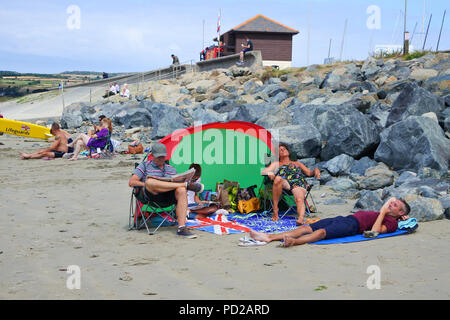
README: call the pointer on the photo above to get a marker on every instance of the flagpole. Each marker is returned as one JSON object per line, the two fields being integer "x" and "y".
{"x": 218, "y": 31}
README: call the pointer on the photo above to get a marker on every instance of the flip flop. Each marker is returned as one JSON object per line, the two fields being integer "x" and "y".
{"x": 251, "y": 243}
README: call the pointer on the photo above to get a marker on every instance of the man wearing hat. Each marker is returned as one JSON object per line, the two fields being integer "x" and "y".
{"x": 162, "y": 191}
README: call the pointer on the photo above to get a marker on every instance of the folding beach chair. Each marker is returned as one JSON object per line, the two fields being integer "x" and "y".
{"x": 104, "y": 152}
{"x": 144, "y": 212}
{"x": 287, "y": 200}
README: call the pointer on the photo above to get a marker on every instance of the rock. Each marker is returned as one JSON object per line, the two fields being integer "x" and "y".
{"x": 339, "y": 165}
{"x": 405, "y": 177}
{"x": 252, "y": 112}
{"x": 423, "y": 74}
{"x": 414, "y": 100}
{"x": 342, "y": 184}
{"x": 203, "y": 116}
{"x": 446, "y": 205}
{"x": 431, "y": 115}
{"x": 360, "y": 166}
{"x": 368, "y": 201}
{"x": 447, "y": 100}
{"x": 141, "y": 97}
{"x": 343, "y": 128}
{"x": 414, "y": 143}
{"x": 166, "y": 119}
{"x": 202, "y": 85}
{"x": 438, "y": 85}
{"x": 278, "y": 118}
{"x": 303, "y": 140}
{"x": 377, "y": 177}
{"x": 135, "y": 116}
{"x": 424, "y": 209}
{"x": 273, "y": 89}
{"x": 334, "y": 201}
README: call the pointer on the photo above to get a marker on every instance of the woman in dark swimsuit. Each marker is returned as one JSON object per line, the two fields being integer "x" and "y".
{"x": 289, "y": 175}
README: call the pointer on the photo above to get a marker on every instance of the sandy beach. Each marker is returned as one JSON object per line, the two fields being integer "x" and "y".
{"x": 58, "y": 213}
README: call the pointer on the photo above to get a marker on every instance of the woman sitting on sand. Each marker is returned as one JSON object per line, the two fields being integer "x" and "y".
{"x": 208, "y": 208}
{"x": 97, "y": 140}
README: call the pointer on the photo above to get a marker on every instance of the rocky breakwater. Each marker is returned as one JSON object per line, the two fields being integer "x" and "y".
{"x": 376, "y": 128}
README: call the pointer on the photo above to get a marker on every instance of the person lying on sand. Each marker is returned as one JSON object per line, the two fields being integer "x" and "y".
{"x": 289, "y": 175}
{"x": 337, "y": 227}
{"x": 58, "y": 148}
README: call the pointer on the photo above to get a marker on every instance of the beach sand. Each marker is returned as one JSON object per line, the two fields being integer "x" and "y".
{"x": 58, "y": 213}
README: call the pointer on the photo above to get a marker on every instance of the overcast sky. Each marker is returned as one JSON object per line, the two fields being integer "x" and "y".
{"x": 139, "y": 35}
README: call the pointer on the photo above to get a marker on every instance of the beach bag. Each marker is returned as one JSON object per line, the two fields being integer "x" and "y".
{"x": 247, "y": 206}
{"x": 135, "y": 148}
{"x": 247, "y": 200}
{"x": 223, "y": 197}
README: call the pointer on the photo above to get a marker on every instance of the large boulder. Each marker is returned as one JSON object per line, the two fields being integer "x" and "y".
{"x": 339, "y": 165}
{"x": 304, "y": 140}
{"x": 343, "y": 128}
{"x": 414, "y": 101}
{"x": 165, "y": 120}
{"x": 132, "y": 117}
{"x": 439, "y": 84}
{"x": 424, "y": 209}
{"x": 377, "y": 177}
{"x": 414, "y": 143}
{"x": 368, "y": 201}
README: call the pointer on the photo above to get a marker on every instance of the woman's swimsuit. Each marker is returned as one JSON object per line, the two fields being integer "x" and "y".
{"x": 293, "y": 175}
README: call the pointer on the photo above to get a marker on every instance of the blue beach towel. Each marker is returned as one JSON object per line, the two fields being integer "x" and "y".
{"x": 360, "y": 237}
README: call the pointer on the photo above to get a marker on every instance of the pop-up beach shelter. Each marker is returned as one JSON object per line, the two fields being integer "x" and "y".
{"x": 232, "y": 151}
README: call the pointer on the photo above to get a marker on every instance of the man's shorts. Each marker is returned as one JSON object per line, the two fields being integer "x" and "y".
{"x": 58, "y": 154}
{"x": 337, "y": 227}
{"x": 162, "y": 199}
{"x": 246, "y": 50}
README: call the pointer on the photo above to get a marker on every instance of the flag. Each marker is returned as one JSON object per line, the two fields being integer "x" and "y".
{"x": 218, "y": 224}
{"x": 218, "y": 24}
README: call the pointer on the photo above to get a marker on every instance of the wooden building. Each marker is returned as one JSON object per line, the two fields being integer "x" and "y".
{"x": 272, "y": 38}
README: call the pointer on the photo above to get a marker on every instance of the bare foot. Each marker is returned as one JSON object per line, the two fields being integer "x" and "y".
{"x": 73, "y": 158}
{"x": 259, "y": 236}
{"x": 288, "y": 241}
{"x": 275, "y": 216}
{"x": 24, "y": 156}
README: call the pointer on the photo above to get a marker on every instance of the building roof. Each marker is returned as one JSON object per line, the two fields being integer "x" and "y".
{"x": 261, "y": 23}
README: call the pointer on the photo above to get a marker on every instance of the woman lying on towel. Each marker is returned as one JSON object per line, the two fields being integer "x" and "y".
{"x": 371, "y": 222}
{"x": 200, "y": 208}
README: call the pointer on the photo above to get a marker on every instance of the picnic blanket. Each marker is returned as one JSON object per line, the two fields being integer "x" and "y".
{"x": 218, "y": 224}
{"x": 262, "y": 222}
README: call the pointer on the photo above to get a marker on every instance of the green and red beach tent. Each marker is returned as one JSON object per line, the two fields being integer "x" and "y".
{"x": 232, "y": 150}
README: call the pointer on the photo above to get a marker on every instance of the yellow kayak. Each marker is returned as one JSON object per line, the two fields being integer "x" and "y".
{"x": 24, "y": 129}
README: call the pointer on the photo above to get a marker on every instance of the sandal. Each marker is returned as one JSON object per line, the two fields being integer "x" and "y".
{"x": 249, "y": 242}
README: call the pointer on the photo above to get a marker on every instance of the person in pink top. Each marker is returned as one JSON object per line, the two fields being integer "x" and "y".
{"x": 384, "y": 221}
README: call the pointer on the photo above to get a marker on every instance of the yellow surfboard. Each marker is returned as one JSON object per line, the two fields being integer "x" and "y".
{"x": 24, "y": 129}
